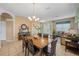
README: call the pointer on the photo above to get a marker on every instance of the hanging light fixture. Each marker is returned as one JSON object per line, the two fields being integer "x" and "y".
{"x": 33, "y": 18}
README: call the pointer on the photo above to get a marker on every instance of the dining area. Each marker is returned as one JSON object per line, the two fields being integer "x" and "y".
{"x": 37, "y": 44}
{"x": 40, "y": 43}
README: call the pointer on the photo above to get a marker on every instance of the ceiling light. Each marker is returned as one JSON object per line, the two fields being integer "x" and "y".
{"x": 33, "y": 17}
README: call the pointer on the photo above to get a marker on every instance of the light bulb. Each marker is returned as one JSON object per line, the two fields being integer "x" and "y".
{"x": 37, "y": 19}
{"x": 30, "y": 18}
{"x": 34, "y": 17}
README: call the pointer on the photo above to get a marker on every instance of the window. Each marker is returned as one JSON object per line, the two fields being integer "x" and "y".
{"x": 63, "y": 26}
{"x": 2, "y": 30}
{"x": 46, "y": 28}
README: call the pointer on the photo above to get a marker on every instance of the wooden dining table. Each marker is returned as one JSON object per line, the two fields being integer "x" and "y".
{"x": 39, "y": 42}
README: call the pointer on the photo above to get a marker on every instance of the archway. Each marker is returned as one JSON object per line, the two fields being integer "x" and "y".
{"x": 7, "y": 21}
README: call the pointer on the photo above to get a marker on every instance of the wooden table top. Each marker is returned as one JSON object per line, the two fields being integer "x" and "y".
{"x": 39, "y": 42}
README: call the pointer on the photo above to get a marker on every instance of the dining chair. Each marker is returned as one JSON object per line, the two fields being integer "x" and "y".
{"x": 53, "y": 48}
{"x": 31, "y": 48}
{"x": 24, "y": 44}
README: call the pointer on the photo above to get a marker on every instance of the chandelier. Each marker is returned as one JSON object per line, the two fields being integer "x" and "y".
{"x": 33, "y": 18}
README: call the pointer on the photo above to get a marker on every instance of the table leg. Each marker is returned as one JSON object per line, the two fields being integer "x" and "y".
{"x": 65, "y": 46}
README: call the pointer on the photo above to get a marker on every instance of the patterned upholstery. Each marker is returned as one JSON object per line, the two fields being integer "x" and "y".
{"x": 33, "y": 49}
{"x": 53, "y": 48}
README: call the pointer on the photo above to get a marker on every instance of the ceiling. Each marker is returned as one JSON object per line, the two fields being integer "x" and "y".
{"x": 45, "y": 11}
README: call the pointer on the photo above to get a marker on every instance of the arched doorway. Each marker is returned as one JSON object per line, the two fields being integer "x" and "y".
{"x": 7, "y": 25}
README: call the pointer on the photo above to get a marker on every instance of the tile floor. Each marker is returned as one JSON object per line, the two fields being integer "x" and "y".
{"x": 14, "y": 48}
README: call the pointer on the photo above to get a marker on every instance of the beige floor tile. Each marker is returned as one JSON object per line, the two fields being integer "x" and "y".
{"x": 15, "y": 49}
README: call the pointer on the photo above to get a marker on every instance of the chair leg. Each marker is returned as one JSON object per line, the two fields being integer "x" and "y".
{"x": 54, "y": 54}
{"x": 23, "y": 48}
{"x": 65, "y": 46}
{"x": 28, "y": 51}
{"x": 33, "y": 54}
{"x": 25, "y": 51}
{"x": 43, "y": 53}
